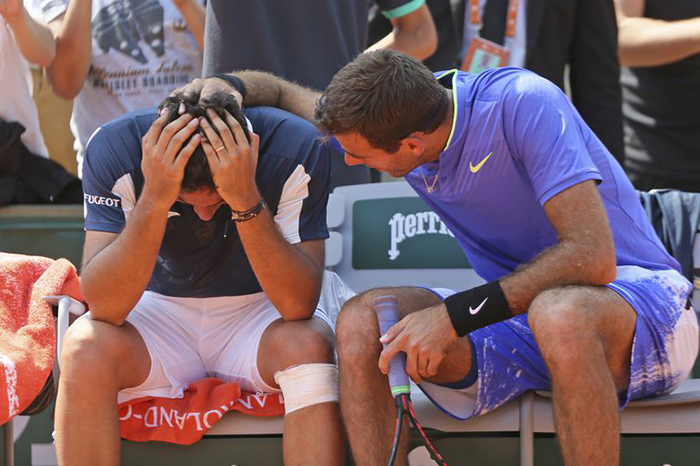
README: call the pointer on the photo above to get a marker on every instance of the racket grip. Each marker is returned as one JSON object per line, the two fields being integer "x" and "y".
{"x": 386, "y": 308}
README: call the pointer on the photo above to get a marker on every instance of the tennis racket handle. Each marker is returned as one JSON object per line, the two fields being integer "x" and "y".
{"x": 387, "y": 310}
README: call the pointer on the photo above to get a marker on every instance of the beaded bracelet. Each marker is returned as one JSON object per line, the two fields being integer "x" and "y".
{"x": 240, "y": 216}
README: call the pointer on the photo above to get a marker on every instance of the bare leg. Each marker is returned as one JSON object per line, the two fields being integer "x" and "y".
{"x": 312, "y": 435}
{"x": 368, "y": 409}
{"x": 585, "y": 335}
{"x": 98, "y": 360}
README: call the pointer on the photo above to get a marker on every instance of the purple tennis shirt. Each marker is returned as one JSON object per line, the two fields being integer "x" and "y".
{"x": 516, "y": 142}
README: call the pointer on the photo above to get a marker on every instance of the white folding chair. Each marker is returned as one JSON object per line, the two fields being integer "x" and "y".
{"x": 675, "y": 413}
{"x": 66, "y": 306}
{"x": 9, "y": 442}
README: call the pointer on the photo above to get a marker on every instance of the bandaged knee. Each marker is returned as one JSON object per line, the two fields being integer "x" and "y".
{"x": 307, "y": 385}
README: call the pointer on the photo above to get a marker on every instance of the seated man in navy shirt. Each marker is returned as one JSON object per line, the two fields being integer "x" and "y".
{"x": 203, "y": 256}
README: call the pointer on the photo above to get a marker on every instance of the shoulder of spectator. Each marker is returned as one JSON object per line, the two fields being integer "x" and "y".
{"x": 392, "y": 9}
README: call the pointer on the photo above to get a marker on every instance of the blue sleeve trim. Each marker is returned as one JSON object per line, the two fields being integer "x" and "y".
{"x": 315, "y": 235}
{"x": 569, "y": 182}
{"x": 102, "y": 226}
{"x": 403, "y": 10}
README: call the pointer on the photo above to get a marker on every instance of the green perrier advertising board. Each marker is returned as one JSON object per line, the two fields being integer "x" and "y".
{"x": 402, "y": 233}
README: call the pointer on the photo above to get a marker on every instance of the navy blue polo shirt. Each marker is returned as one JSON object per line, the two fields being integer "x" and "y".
{"x": 197, "y": 258}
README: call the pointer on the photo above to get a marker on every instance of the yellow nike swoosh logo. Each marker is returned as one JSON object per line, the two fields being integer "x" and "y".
{"x": 477, "y": 167}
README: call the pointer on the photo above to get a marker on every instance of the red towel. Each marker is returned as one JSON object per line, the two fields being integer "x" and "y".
{"x": 28, "y": 346}
{"x": 27, "y": 338}
{"x": 185, "y": 420}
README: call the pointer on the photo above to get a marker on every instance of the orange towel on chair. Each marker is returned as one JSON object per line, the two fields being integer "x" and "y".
{"x": 27, "y": 337}
{"x": 185, "y": 420}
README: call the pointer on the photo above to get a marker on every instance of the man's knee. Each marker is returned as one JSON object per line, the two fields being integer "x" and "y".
{"x": 564, "y": 327}
{"x": 89, "y": 349}
{"x": 357, "y": 328}
{"x": 354, "y": 316}
{"x": 308, "y": 374}
{"x": 581, "y": 325}
{"x": 305, "y": 342}
{"x": 308, "y": 385}
{"x": 358, "y": 309}
{"x": 560, "y": 314}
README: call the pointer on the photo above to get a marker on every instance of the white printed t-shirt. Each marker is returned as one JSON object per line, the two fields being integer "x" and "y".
{"x": 141, "y": 51}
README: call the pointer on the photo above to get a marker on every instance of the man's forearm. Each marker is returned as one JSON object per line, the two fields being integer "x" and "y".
{"x": 412, "y": 45}
{"x": 272, "y": 91}
{"x": 35, "y": 41}
{"x": 652, "y": 42}
{"x": 73, "y": 34}
{"x": 567, "y": 263}
{"x": 193, "y": 13}
{"x": 289, "y": 278}
{"x": 584, "y": 253}
{"x": 413, "y": 34}
{"x": 114, "y": 280}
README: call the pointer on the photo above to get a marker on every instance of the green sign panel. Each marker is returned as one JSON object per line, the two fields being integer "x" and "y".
{"x": 402, "y": 233}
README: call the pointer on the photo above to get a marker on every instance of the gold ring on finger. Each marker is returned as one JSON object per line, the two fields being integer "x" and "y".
{"x": 219, "y": 149}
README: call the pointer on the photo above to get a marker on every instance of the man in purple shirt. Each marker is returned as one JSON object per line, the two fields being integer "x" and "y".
{"x": 582, "y": 298}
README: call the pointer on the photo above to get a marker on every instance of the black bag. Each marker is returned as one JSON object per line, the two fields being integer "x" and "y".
{"x": 26, "y": 178}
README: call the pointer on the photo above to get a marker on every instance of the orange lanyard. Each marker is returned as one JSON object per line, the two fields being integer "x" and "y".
{"x": 475, "y": 17}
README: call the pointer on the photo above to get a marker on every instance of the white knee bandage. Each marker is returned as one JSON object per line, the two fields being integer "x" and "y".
{"x": 307, "y": 385}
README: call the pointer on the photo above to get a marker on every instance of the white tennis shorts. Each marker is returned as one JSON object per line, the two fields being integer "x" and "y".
{"x": 192, "y": 338}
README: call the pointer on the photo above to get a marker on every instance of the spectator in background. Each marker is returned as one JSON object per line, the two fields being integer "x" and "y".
{"x": 548, "y": 37}
{"x": 447, "y": 52}
{"x": 22, "y": 40}
{"x": 660, "y": 45}
{"x": 27, "y": 176}
{"x": 308, "y": 42}
{"x": 114, "y": 57}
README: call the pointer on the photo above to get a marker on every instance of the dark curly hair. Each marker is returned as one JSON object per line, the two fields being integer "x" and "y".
{"x": 384, "y": 96}
{"x": 197, "y": 172}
